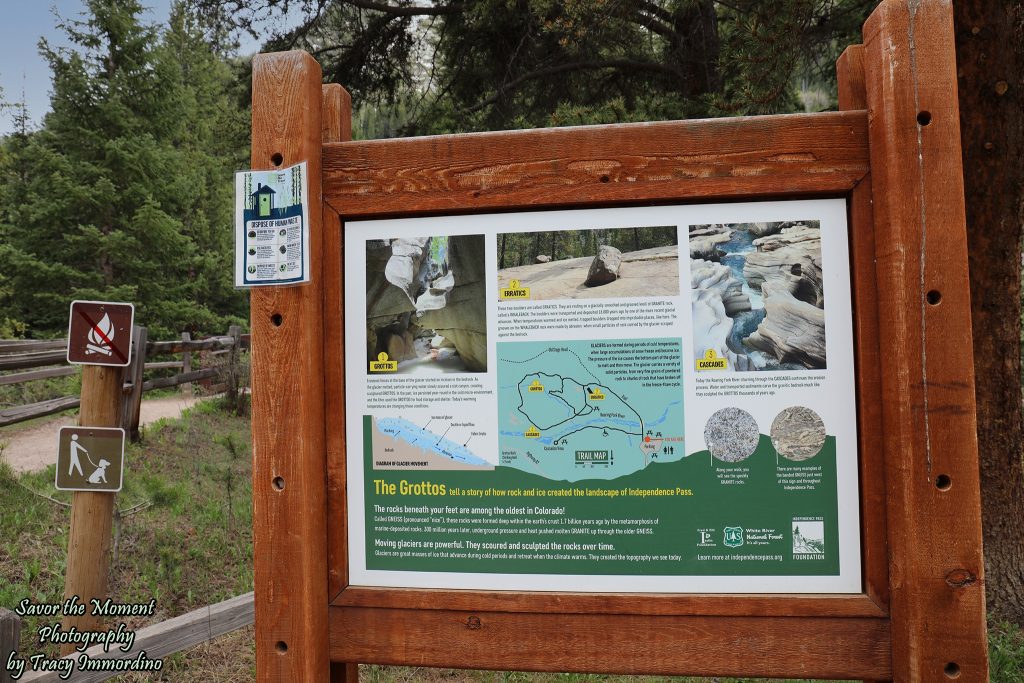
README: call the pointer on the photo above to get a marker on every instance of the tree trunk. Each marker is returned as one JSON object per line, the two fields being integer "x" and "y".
{"x": 990, "y": 59}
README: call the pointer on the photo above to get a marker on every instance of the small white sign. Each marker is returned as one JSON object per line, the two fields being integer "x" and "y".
{"x": 272, "y": 227}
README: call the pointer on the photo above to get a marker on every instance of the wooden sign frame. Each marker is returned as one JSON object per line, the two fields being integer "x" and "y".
{"x": 892, "y": 151}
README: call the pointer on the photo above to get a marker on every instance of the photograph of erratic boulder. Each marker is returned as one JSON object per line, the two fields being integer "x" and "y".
{"x": 591, "y": 264}
{"x": 757, "y": 294}
{"x": 425, "y": 303}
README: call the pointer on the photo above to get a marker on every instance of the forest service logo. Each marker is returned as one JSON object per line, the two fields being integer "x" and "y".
{"x": 733, "y": 536}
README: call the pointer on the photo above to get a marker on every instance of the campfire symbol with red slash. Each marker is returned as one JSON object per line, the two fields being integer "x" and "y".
{"x": 100, "y": 333}
{"x": 101, "y": 337}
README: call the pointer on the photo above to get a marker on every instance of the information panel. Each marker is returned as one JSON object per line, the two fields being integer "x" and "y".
{"x": 655, "y": 399}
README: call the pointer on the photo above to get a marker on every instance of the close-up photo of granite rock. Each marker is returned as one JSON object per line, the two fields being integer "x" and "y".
{"x": 731, "y": 434}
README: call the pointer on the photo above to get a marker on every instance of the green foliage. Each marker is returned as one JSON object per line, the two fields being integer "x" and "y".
{"x": 448, "y": 66}
{"x": 1005, "y": 653}
{"x": 125, "y": 191}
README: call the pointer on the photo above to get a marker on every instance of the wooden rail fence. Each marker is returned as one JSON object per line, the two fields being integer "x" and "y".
{"x": 48, "y": 359}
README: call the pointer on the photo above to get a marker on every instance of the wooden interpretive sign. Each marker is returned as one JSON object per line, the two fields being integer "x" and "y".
{"x": 735, "y": 437}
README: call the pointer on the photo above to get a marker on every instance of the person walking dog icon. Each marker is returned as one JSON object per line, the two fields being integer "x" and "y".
{"x": 99, "y": 473}
{"x": 75, "y": 463}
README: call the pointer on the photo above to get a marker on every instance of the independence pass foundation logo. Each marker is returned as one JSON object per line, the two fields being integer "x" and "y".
{"x": 808, "y": 538}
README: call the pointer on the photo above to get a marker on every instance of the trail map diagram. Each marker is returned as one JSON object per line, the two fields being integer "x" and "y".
{"x": 569, "y": 411}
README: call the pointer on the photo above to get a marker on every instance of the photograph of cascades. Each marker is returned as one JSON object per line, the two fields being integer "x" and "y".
{"x": 757, "y": 294}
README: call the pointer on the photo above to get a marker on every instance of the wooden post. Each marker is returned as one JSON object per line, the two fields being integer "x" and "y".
{"x": 289, "y": 480}
{"x": 924, "y": 313}
{"x": 91, "y": 512}
{"x": 235, "y": 332}
{"x": 10, "y": 635}
{"x": 337, "y": 127}
{"x": 186, "y": 365}
{"x": 133, "y": 406}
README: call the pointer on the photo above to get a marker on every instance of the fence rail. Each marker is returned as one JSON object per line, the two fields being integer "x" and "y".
{"x": 158, "y": 641}
{"x": 20, "y": 354}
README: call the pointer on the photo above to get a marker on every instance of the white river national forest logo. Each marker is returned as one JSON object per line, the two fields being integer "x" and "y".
{"x": 733, "y": 536}
{"x": 808, "y": 539}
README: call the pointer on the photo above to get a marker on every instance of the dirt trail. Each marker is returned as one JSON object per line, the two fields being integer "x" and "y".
{"x": 33, "y": 448}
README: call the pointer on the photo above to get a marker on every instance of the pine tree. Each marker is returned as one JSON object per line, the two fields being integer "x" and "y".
{"x": 115, "y": 197}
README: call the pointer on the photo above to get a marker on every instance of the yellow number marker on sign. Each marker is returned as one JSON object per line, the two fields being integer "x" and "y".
{"x": 712, "y": 361}
{"x": 382, "y": 364}
{"x": 515, "y": 291}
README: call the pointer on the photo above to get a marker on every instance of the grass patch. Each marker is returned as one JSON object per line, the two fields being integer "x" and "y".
{"x": 1005, "y": 653}
{"x": 188, "y": 544}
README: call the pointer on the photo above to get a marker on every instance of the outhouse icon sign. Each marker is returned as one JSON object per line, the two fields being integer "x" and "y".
{"x": 263, "y": 200}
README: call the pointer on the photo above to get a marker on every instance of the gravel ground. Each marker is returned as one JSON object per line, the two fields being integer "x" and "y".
{"x": 35, "y": 446}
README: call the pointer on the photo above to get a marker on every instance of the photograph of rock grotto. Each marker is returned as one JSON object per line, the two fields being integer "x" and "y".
{"x": 425, "y": 303}
{"x": 757, "y": 294}
{"x": 591, "y": 264}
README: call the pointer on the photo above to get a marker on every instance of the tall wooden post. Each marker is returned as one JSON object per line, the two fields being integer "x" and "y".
{"x": 186, "y": 365}
{"x": 337, "y": 127}
{"x": 289, "y": 480}
{"x": 924, "y": 312}
{"x": 92, "y": 512}
{"x": 235, "y": 332}
{"x": 133, "y": 406}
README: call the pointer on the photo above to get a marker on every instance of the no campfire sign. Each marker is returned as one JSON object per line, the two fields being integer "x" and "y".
{"x": 100, "y": 333}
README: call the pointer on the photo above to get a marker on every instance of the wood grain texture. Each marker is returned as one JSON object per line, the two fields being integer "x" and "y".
{"x": 289, "y": 523}
{"x": 132, "y": 406}
{"x": 612, "y": 603}
{"x": 16, "y": 414}
{"x": 934, "y": 523}
{"x": 874, "y": 537}
{"x": 990, "y": 61}
{"x": 26, "y": 345}
{"x": 782, "y": 647}
{"x": 10, "y": 636}
{"x": 336, "y": 108}
{"x": 92, "y": 513}
{"x": 19, "y": 377}
{"x": 33, "y": 360}
{"x": 337, "y": 126}
{"x": 598, "y": 165}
